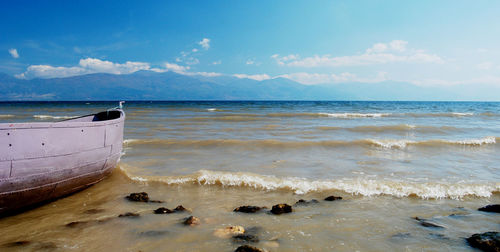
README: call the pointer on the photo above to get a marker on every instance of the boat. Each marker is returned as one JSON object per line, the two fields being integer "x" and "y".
{"x": 44, "y": 161}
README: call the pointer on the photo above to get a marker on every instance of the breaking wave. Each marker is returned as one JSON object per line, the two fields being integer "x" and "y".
{"x": 6, "y": 116}
{"x": 336, "y": 115}
{"x": 355, "y": 186}
{"x": 388, "y": 144}
{"x": 392, "y": 128}
{"x": 450, "y": 114}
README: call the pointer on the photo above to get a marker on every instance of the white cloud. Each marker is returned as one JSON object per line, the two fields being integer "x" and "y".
{"x": 485, "y": 65}
{"x": 85, "y": 66}
{"x": 258, "y": 77}
{"x": 206, "y": 74}
{"x": 216, "y": 62}
{"x": 176, "y": 68}
{"x": 205, "y": 43}
{"x": 250, "y": 62}
{"x": 13, "y": 53}
{"x": 491, "y": 80}
{"x": 379, "y": 53}
{"x": 317, "y": 78}
{"x": 379, "y": 47}
{"x": 194, "y": 50}
{"x": 398, "y": 45}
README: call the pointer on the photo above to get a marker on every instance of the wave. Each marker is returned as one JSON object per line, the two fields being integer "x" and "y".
{"x": 52, "y": 117}
{"x": 336, "y": 115}
{"x": 384, "y": 143}
{"x": 355, "y": 186}
{"x": 447, "y": 114}
{"x": 214, "y": 110}
{"x": 6, "y": 116}
{"x": 391, "y": 128}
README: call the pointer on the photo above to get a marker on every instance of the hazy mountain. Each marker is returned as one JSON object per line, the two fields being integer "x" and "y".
{"x": 147, "y": 85}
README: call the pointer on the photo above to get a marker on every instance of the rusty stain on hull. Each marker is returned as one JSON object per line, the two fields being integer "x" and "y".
{"x": 44, "y": 161}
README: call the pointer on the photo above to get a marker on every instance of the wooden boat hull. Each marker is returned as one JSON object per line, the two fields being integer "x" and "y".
{"x": 45, "y": 161}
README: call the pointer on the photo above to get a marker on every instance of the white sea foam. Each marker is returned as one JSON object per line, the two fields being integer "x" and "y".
{"x": 462, "y": 114}
{"x": 52, "y": 117}
{"x": 355, "y": 186}
{"x": 271, "y": 143}
{"x": 6, "y": 116}
{"x": 354, "y": 115}
{"x": 486, "y": 140}
{"x": 212, "y": 109}
{"x": 391, "y": 144}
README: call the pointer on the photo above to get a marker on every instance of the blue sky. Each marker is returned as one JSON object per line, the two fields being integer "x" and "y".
{"x": 428, "y": 43}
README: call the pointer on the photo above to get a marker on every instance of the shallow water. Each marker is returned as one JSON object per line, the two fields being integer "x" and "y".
{"x": 390, "y": 161}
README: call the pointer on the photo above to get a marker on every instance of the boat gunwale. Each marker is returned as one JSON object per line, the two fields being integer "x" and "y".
{"x": 67, "y": 123}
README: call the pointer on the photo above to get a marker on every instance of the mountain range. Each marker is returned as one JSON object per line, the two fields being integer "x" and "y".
{"x": 148, "y": 85}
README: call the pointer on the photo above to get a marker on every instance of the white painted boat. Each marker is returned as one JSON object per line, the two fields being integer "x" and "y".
{"x": 43, "y": 161}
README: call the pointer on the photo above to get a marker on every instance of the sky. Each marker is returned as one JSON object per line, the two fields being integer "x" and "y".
{"x": 427, "y": 43}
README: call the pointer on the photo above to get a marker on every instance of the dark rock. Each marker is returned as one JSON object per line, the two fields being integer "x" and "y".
{"x": 490, "y": 208}
{"x": 246, "y": 248}
{"x": 247, "y": 209}
{"x": 333, "y": 198}
{"x": 163, "y": 210}
{"x": 129, "y": 214}
{"x": 281, "y": 208}
{"x": 140, "y": 197}
{"x": 245, "y": 238}
{"x": 17, "y": 243}
{"x": 489, "y": 241}
{"x": 180, "y": 208}
{"x": 94, "y": 211}
{"x": 302, "y": 202}
{"x": 425, "y": 223}
{"x": 191, "y": 221}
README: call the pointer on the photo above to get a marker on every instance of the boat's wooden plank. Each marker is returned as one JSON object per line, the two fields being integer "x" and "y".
{"x": 5, "y": 169}
{"x": 28, "y": 167}
{"x": 114, "y": 136}
{"x": 35, "y": 143}
{"x": 34, "y": 181}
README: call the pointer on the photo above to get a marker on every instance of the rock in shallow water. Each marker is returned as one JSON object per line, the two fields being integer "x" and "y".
{"x": 163, "y": 210}
{"x": 425, "y": 223}
{"x": 490, "y": 208}
{"x": 180, "y": 208}
{"x": 245, "y": 238}
{"x": 247, "y": 209}
{"x": 139, "y": 197}
{"x": 489, "y": 241}
{"x": 333, "y": 198}
{"x": 191, "y": 221}
{"x": 281, "y": 208}
{"x": 17, "y": 243}
{"x": 129, "y": 214}
{"x": 229, "y": 231}
{"x": 302, "y": 202}
{"x": 247, "y": 248}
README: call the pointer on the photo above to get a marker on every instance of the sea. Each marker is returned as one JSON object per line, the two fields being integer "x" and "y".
{"x": 398, "y": 166}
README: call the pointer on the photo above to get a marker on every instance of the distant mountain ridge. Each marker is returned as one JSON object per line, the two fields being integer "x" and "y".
{"x": 147, "y": 85}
